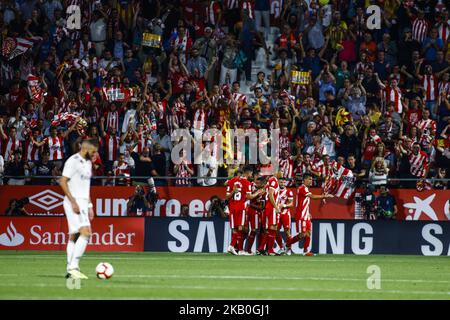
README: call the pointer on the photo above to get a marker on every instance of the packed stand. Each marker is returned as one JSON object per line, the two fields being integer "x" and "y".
{"x": 374, "y": 101}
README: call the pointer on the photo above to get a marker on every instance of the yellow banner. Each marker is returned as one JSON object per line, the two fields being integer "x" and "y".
{"x": 151, "y": 40}
{"x": 300, "y": 77}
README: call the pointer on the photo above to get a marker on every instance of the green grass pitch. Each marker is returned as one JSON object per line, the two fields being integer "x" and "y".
{"x": 40, "y": 275}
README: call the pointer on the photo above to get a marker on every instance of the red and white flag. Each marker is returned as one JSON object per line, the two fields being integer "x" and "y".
{"x": 13, "y": 47}
{"x": 119, "y": 94}
{"x": 341, "y": 182}
{"x": 35, "y": 90}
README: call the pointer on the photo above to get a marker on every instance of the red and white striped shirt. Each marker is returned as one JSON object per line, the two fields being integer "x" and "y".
{"x": 419, "y": 164}
{"x": 111, "y": 146}
{"x": 394, "y": 95}
{"x": 287, "y": 169}
{"x": 323, "y": 170}
{"x": 55, "y": 146}
{"x": 9, "y": 147}
{"x": 32, "y": 151}
{"x": 143, "y": 142}
{"x": 241, "y": 99}
{"x": 232, "y": 4}
{"x": 112, "y": 120}
{"x": 199, "y": 121}
{"x": 302, "y": 204}
{"x": 444, "y": 87}
{"x": 286, "y": 195}
{"x": 272, "y": 184}
{"x": 430, "y": 84}
{"x": 284, "y": 143}
{"x": 428, "y": 130}
{"x": 419, "y": 29}
{"x": 183, "y": 173}
{"x": 122, "y": 170}
{"x": 247, "y": 5}
{"x": 212, "y": 12}
{"x": 444, "y": 31}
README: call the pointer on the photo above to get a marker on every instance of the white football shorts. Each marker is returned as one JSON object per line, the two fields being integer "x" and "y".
{"x": 76, "y": 221}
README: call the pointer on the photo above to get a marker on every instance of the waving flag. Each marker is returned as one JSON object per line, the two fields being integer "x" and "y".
{"x": 13, "y": 47}
{"x": 226, "y": 142}
{"x": 35, "y": 90}
{"x": 340, "y": 182}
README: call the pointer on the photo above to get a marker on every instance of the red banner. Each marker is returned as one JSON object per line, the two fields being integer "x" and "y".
{"x": 112, "y": 202}
{"x": 50, "y": 233}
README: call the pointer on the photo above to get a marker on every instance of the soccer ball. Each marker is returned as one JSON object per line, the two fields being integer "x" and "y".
{"x": 104, "y": 270}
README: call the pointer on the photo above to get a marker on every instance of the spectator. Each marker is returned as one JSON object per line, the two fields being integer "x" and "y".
{"x": 44, "y": 168}
{"x": 378, "y": 172}
{"x": 16, "y": 169}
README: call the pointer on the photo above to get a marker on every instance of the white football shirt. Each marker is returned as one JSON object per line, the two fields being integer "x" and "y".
{"x": 79, "y": 172}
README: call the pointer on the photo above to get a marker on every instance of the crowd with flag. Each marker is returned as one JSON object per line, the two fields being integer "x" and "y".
{"x": 353, "y": 104}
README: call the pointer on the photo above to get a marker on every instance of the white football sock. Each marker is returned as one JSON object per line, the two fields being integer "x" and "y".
{"x": 80, "y": 247}
{"x": 70, "y": 248}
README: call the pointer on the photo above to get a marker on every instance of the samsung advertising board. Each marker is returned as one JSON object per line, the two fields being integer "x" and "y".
{"x": 328, "y": 236}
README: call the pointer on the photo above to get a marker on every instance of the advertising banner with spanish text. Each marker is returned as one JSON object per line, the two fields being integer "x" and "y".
{"x": 50, "y": 233}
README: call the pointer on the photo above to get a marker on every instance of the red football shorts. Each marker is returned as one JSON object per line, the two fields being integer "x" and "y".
{"x": 237, "y": 218}
{"x": 272, "y": 217}
{"x": 303, "y": 226}
{"x": 285, "y": 221}
{"x": 253, "y": 219}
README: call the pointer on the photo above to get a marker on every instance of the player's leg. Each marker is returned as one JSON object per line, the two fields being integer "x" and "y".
{"x": 262, "y": 241}
{"x": 287, "y": 230}
{"x": 82, "y": 240}
{"x": 272, "y": 231}
{"x": 234, "y": 233}
{"x": 299, "y": 236}
{"x": 279, "y": 238}
{"x": 307, "y": 239}
{"x": 253, "y": 226}
{"x": 79, "y": 249}
{"x": 70, "y": 249}
{"x": 242, "y": 231}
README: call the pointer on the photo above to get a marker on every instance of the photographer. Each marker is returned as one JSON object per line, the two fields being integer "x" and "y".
{"x": 16, "y": 207}
{"x": 138, "y": 205}
{"x": 386, "y": 205}
{"x": 368, "y": 203}
{"x": 217, "y": 207}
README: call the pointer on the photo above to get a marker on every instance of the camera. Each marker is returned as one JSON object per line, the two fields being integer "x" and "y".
{"x": 367, "y": 201}
{"x": 20, "y": 203}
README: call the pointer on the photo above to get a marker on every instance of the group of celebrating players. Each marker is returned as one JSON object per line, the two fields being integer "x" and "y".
{"x": 260, "y": 206}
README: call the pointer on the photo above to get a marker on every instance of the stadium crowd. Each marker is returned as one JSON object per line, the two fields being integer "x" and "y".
{"x": 374, "y": 100}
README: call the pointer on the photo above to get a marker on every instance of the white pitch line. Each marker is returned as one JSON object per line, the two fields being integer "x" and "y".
{"x": 262, "y": 289}
{"x": 248, "y": 277}
{"x": 238, "y": 277}
{"x": 226, "y": 257}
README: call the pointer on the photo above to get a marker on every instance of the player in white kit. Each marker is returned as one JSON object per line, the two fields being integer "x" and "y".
{"x": 76, "y": 184}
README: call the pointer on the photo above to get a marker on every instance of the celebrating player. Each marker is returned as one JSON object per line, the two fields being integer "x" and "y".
{"x": 238, "y": 191}
{"x": 272, "y": 212}
{"x": 254, "y": 210}
{"x": 76, "y": 183}
{"x": 284, "y": 220}
{"x": 302, "y": 214}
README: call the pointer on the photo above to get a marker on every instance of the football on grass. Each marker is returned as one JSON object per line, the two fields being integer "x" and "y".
{"x": 104, "y": 270}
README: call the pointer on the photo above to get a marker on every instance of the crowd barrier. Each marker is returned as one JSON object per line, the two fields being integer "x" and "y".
{"x": 212, "y": 235}
{"x": 431, "y": 205}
